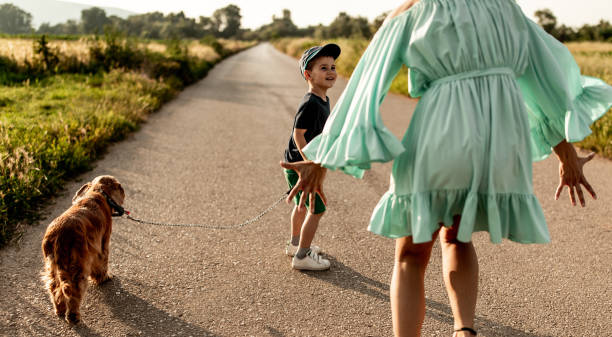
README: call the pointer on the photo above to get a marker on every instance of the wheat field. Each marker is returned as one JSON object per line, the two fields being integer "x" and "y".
{"x": 22, "y": 50}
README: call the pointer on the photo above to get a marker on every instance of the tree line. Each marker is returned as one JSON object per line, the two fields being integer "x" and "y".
{"x": 599, "y": 32}
{"x": 226, "y": 23}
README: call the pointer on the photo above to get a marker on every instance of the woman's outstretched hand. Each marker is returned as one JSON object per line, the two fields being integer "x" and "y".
{"x": 570, "y": 173}
{"x": 311, "y": 177}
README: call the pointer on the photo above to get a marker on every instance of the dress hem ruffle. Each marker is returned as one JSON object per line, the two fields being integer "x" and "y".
{"x": 517, "y": 217}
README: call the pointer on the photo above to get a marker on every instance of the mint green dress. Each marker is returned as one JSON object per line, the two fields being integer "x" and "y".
{"x": 497, "y": 92}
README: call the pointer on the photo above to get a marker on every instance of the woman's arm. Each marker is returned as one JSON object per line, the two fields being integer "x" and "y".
{"x": 570, "y": 172}
{"x": 311, "y": 177}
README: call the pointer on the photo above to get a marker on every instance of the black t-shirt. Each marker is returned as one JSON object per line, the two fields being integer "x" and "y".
{"x": 311, "y": 115}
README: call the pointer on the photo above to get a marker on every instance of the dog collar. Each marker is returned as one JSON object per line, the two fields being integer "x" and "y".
{"x": 116, "y": 210}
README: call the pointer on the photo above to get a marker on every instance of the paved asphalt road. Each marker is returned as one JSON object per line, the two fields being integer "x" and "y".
{"x": 212, "y": 155}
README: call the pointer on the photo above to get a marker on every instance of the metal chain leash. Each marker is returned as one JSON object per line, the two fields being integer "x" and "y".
{"x": 208, "y": 226}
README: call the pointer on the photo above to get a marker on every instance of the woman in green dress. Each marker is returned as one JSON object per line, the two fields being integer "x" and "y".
{"x": 496, "y": 93}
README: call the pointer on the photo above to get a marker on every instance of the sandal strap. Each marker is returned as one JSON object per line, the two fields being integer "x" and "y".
{"x": 470, "y": 330}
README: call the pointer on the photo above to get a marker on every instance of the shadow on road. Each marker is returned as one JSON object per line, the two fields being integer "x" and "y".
{"x": 47, "y": 323}
{"x": 273, "y": 332}
{"x": 143, "y": 316}
{"x": 85, "y": 331}
{"x": 443, "y": 313}
{"x": 344, "y": 277}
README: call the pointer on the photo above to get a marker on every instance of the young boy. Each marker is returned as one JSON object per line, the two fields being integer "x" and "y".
{"x": 318, "y": 68}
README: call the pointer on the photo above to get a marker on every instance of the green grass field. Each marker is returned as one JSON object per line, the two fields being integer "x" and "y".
{"x": 54, "y": 129}
{"x": 55, "y": 126}
{"x": 594, "y": 59}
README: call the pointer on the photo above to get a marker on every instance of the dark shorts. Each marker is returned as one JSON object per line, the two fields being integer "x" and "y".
{"x": 292, "y": 178}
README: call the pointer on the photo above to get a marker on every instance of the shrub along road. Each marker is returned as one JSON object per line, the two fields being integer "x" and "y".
{"x": 212, "y": 155}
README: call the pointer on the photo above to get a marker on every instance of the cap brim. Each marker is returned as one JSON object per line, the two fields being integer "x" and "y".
{"x": 331, "y": 49}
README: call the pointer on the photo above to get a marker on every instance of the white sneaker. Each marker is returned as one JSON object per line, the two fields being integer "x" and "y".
{"x": 312, "y": 261}
{"x": 291, "y": 250}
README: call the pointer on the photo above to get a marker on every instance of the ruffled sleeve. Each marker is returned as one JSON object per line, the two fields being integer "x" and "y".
{"x": 354, "y": 135}
{"x": 561, "y": 103}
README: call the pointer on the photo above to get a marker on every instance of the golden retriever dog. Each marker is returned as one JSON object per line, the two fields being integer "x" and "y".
{"x": 76, "y": 244}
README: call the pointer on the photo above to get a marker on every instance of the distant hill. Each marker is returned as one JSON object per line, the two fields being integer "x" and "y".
{"x": 53, "y": 11}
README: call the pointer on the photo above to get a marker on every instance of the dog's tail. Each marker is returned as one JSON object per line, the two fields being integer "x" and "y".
{"x": 52, "y": 275}
{"x": 48, "y": 275}
{"x": 62, "y": 266}
{"x": 47, "y": 247}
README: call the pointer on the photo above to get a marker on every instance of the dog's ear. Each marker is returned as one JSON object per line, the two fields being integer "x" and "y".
{"x": 80, "y": 192}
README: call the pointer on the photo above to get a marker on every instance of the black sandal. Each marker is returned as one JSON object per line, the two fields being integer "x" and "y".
{"x": 470, "y": 330}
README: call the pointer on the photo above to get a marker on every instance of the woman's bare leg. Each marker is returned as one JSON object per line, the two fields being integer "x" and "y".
{"x": 460, "y": 268}
{"x": 408, "y": 286}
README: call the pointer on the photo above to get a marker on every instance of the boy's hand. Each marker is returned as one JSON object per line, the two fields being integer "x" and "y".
{"x": 311, "y": 177}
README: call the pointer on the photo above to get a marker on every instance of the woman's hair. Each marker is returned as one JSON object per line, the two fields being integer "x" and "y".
{"x": 399, "y": 10}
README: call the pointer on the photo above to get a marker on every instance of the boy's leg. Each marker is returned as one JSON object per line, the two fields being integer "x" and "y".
{"x": 309, "y": 229}
{"x": 307, "y": 258}
{"x": 297, "y": 219}
{"x": 303, "y": 228}
{"x": 297, "y": 215}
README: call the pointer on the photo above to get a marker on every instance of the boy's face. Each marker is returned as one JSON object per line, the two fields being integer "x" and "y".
{"x": 323, "y": 73}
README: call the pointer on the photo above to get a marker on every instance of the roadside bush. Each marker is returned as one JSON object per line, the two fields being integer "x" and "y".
{"x": 48, "y": 57}
{"x": 11, "y": 72}
{"x": 210, "y": 40}
{"x": 176, "y": 49}
{"x": 114, "y": 51}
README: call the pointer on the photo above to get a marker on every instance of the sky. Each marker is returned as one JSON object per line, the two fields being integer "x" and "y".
{"x": 256, "y": 13}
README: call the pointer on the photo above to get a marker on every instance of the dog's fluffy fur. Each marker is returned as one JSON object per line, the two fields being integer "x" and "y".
{"x": 76, "y": 244}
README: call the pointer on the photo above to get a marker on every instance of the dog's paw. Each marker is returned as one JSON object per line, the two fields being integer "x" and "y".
{"x": 101, "y": 280}
{"x": 61, "y": 314}
{"x": 60, "y": 309}
{"x": 73, "y": 318}
{"x": 105, "y": 279}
